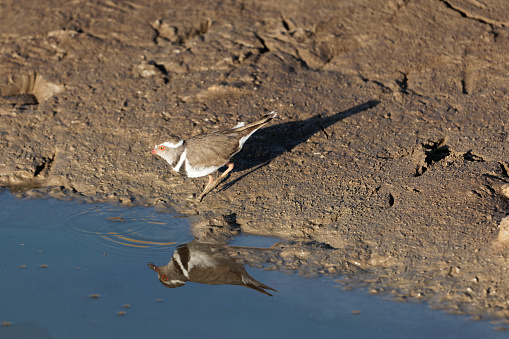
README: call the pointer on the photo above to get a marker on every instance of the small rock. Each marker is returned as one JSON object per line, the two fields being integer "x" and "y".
{"x": 504, "y": 191}
{"x": 503, "y": 231}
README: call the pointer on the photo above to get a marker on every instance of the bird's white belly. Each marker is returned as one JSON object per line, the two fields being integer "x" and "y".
{"x": 199, "y": 259}
{"x": 196, "y": 172}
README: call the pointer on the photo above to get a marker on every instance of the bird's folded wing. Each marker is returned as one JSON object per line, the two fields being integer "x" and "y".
{"x": 213, "y": 149}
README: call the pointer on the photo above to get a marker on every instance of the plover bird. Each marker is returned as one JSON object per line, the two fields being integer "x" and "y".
{"x": 205, "y": 263}
{"x": 204, "y": 154}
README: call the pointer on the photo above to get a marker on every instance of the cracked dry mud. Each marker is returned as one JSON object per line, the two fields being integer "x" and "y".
{"x": 387, "y": 164}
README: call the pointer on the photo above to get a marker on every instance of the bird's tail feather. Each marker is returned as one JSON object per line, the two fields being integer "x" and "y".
{"x": 257, "y": 124}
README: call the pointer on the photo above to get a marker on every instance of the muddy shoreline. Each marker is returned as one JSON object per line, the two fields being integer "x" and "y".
{"x": 387, "y": 164}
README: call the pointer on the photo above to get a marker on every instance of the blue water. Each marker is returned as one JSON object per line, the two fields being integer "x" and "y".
{"x": 88, "y": 254}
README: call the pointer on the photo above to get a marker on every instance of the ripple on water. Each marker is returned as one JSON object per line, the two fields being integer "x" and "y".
{"x": 127, "y": 227}
{"x": 101, "y": 228}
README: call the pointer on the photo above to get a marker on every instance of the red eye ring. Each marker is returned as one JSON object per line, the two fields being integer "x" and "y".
{"x": 162, "y": 148}
{"x": 164, "y": 277}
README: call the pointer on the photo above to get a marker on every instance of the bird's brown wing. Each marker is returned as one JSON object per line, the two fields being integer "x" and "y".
{"x": 216, "y": 148}
{"x": 213, "y": 149}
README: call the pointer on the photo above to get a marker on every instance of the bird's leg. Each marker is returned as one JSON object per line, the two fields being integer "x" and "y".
{"x": 207, "y": 188}
{"x": 225, "y": 173}
{"x": 211, "y": 179}
{"x": 212, "y": 184}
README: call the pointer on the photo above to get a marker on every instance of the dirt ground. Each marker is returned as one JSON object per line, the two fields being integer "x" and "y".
{"x": 387, "y": 164}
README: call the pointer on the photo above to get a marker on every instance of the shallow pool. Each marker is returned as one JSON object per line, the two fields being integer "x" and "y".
{"x": 75, "y": 270}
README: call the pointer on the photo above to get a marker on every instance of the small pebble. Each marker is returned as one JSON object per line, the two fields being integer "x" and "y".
{"x": 120, "y": 313}
{"x": 23, "y": 266}
{"x": 6, "y": 323}
{"x": 356, "y": 312}
{"x": 126, "y": 306}
{"x": 159, "y": 300}
{"x": 94, "y": 296}
{"x": 44, "y": 266}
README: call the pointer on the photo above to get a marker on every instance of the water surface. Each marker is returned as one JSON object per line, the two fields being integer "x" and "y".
{"x": 74, "y": 270}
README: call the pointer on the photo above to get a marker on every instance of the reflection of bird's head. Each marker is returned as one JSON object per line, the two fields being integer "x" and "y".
{"x": 164, "y": 275}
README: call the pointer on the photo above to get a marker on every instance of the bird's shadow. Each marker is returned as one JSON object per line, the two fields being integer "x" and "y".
{"x": 270, "y": 142}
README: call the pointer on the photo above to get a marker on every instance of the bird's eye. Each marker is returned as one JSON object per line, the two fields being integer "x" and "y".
{"x": 164, "y": 277}
{"x": 162, "y": 148}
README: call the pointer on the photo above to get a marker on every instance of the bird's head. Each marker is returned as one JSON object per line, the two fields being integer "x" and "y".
{"x": 168, "y": 147}
{"x": 164, "y": 275}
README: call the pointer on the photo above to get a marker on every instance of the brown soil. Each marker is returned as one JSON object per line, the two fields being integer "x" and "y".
{"x": 388, "y": 162}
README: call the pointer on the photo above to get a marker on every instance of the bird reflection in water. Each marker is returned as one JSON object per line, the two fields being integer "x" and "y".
{"x": 206, "y": 263}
